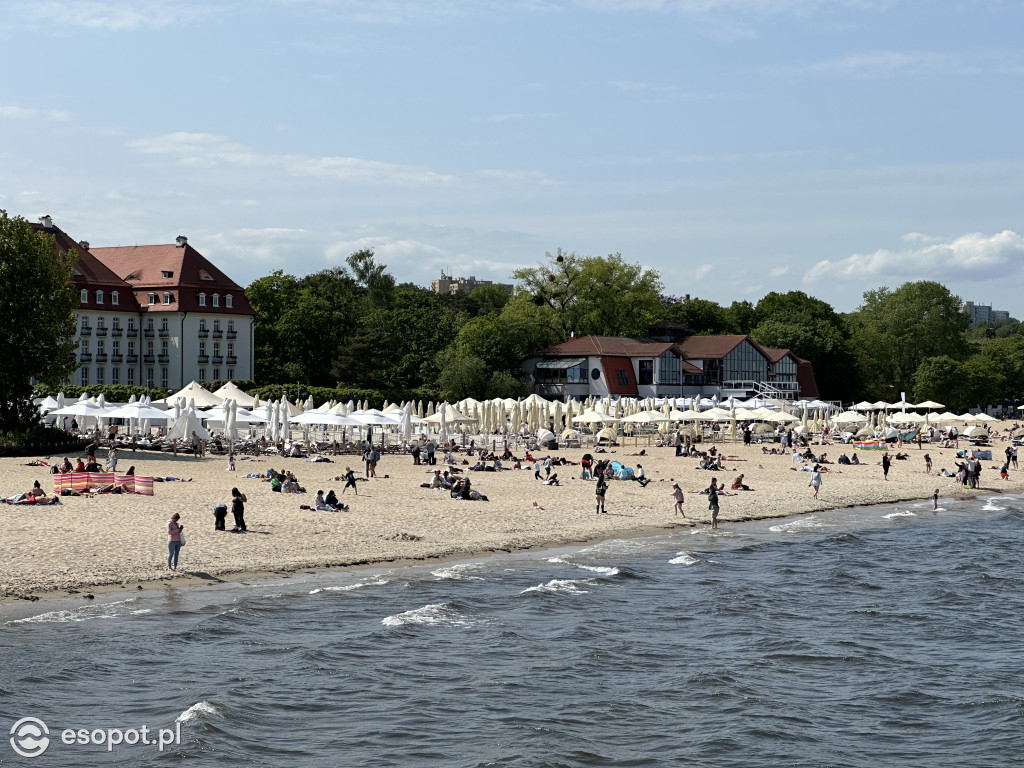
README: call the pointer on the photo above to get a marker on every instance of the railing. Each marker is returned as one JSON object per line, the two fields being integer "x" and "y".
{"x": 232, "y": 334}
{"x": 165, "y": 333}
{"x": 117, "y": 357}
{"x": 101, "y": 331}
{"x": 163, "y": 359}
{"x": 204, "y": 359}
{"x": 149, "y": 333}
{"x": 150, "y": 359}
{"x": 116, "y": 332}
{"x": 85, "y": 330}
{"x": 218, "y": 334}
{"x": 203, "y": 333}
{"x": 131, "y": 333}
{"x": 232, "y": 360}
{"x": 101, "y": 357}
{"x": 85, "y": 357}
{"x": 218, "y": 359}
{"x": 133, "y": 358}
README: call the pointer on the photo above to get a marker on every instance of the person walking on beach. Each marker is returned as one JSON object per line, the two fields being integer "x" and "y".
{"x": 927, "y": 464}
{"x": 677, "y": 495}
{"x": 536, "y": 469}
{"x": 547, "y": 467}
{"x": 815, "y": 479}
{"x": 112, "y": 459}
{"x": 886, "y": 463}
{"x": 679, "y": 443}
{"x": 238, "y": 500}
{"x": 350, "y": 481}
{"x": 174, "y": 541}
{"x": 1013, "y": 455}
{"x": 713, "y": 502}
{"x": 599, "y": 492}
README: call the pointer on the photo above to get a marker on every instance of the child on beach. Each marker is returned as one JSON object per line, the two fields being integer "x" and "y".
{"x": 677, "y": 495}
{"x": 599, "y": 492}
{"x": 231, "y": 462}
{"x": 350, "y": 481}
{"x": 536, "y": 469}
{"x": 927, "y": 464}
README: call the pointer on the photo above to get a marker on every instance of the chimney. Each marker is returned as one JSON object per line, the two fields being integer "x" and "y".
{"x": 181, "y": 241}
{"x": 84, "y": 244}
{"x": 46, "y": 221}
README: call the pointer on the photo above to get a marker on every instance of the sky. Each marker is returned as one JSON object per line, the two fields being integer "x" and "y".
{"x": 735, "y": 146}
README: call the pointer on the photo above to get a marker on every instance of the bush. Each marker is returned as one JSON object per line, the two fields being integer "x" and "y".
{"x": 376, "y": 397}
{"x": 38, "y": 440}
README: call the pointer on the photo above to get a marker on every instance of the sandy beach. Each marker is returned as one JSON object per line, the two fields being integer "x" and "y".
{"x": 111, "y": 542}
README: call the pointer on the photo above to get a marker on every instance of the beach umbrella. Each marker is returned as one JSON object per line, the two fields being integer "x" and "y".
{"x": 930, "y": 405}
{"x": 443, "y": 423}
{"x": 139, "y": 411}
{"x": 232, "y": 391}
{"x": 406, "y": 422}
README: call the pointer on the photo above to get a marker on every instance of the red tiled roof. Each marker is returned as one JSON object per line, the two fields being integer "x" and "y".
{"x": 777, "y": 354}
{"x": 141, "y": 266}
{"x": 704, "y": 347}
{"x": 612, "y": 366}
{"x": 691, "y": 369}
{"x": 92, "y": 274}
{"x": 609, "y": 345}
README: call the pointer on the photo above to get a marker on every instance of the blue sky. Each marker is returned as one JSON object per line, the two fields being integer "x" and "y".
{"x": 736, "y": 146}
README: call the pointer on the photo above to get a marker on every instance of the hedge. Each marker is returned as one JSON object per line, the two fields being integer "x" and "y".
{"x": 376, "y": 397}
{"x": 38, "y": 441}
{"x": 113, "y": 393}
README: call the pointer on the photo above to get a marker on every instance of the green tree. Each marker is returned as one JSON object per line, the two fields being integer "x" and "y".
{"x": 741, "y": 317}
{"x": 37, "y": 315}
{"x": 602, "y": 295}
{"x": 463, "y": 377}
{"x": 490, "y": 298}
{"x": 941, "y": 379}
{"x": 502, "y": 341}
{"x": 372, "y": 276}
{"x": 893, "y": 331}
{"x": 700, "y": 316}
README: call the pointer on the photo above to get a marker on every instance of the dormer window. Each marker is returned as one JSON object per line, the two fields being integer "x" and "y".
{"x": 114, "y": 298}
{"x": 216, "y": 299}
{"x": 229, "y": 301}
{"x": 84, "y": 296}
{"x": 152, "y": 299}
{"x": 99, "y": 297}
{"x": 166, "y": 274}
{"x": 167, "y": 298}
{"x": 202, "y": 299}
{"x": 204, "y": 275}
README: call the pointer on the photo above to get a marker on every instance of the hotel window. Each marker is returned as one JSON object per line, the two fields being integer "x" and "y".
{"x": 84, "y": 296}
{"x": 202, "y": 347}
{"x": 114, "y": 298}
{"x": 99, "y": 300}
{"x": 115, "y": 375}
{"x": 231, "y": 349}
{"x": 167, "y": 298}
{"x": 163, "y": 347}
{"x": 231, "y": 326}
{"x": 202, "y": 299}
{"x": 202, "y": 374}
{"x": 152, "y": 299}
{"x": 83, "y": 346}
{"x": 149, "y": 348}
{"x": 149, "y": 324}
{"x": 101, "y": 323}
{"x": 166, "y": 274}
{"x": 216, "y": 325}
{"x": 229, "y": 301}
{"x": 131, "y": 377}
{"x": 622, "y": 377}
{"x": 216, "y": 299}
{"x": 115, "y": 347}
{"x": 670, "y": 369}
{"x": 646, "y": 373}
{"x": 85, "y": 323}
{"x": 216, "y": 374}
{"x": 131, "y": 347}
{"x": 149, "y": 378}
{"x": 117, "y": 322}
{"x": 100, "y": 346}
{"x": 83, "y": 375}
{"x": 231, "y": 373}
{"x": 100, "y": 376}
{"x": 216, "y": 350}
{"x": 163, "y": 324}
{"x": 131, "y": 323}
{"x": 163, "y": 378}
{"x": 202, "y": 325}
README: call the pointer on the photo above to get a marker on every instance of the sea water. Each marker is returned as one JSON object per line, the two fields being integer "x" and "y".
{"x": 882, "y": 636}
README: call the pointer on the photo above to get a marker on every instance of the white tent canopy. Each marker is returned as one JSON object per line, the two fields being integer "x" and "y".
{"x": 203, "y": 397}
{"x": 185, "y": 425}
{"x": 231, "y": 390}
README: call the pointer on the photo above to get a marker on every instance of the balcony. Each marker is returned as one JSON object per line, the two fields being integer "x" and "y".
{"x": 232, "y": 360}
{"x": 149, "y": 359}
{"x": 85, "y": 357}
{"x": 149, "y": 333}
{"x": 85, "y": 330}
{"x": 204, "y": 359}
{"x": 203, "y": 333}
{"x": 232, "y": 334}
{"x": 101, "y": 357}
{"x": 101, "y": 331}
{"x": 116, "y": 332}
{"x": 218, "y": 334}
{"x": 117, "y": 358}
{"x": 218, "y": 360}
{"x": 165, "y": 333}
{"x": 133, "y": 359}
{"x": 132, "y": 333}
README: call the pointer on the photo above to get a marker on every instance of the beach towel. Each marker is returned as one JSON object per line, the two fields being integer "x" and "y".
{"x": 983, "y": 455}
{"x": 871, "y": 445}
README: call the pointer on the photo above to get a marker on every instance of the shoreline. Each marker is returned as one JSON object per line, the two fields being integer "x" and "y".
{"x": 105, "y": 544}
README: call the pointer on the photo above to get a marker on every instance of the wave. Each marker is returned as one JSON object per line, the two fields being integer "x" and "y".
{"x": 349, "y": 587}
{"x": 604, "y": 570}
{"x": 197, "y": 710}
{"x": 684, "y": 558}
{"x": 85, "y": 613}
{"x": 891, "y": 515}
{"x": 457, "y": 572}
{"x": 432, "y": 615}
{"x": 804, "y": 523}
{"x": 556, "y": 586}
{"x": 990, "y": 507}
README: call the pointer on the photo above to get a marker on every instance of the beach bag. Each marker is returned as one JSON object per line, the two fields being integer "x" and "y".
{"x": 181, "y": 535}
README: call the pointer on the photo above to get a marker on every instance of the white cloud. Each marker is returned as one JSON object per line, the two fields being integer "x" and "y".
{"x": 702, "y": 271}
{"x": 116, "y": 15}
{"x": 22, "y": 113}
{"x": 210, "y": 150}
{"x": 969, "y": 257}
{"x": 778, "y": 271}
{"x": 878, "y": 64}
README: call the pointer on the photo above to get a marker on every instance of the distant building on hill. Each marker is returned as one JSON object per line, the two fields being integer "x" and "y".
{"x": 726, "y": 366}
{"x": 155, "y": 315}
{"x": 983, "y": 313}
{"x": 449, "y": 285}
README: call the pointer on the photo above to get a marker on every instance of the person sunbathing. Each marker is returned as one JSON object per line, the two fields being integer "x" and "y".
{"x": 553, "y": 480}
